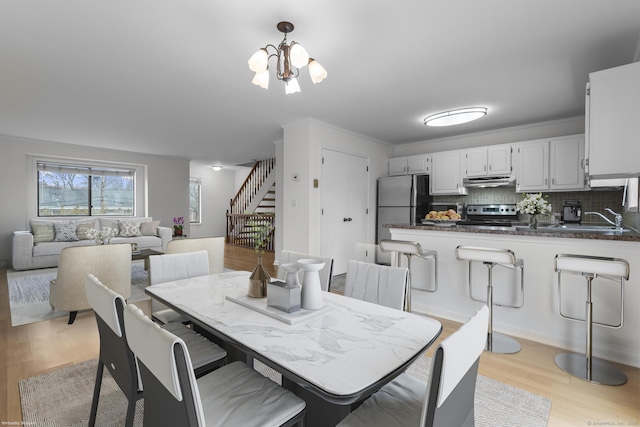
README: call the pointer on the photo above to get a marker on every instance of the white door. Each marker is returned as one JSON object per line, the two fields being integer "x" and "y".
{"x": 344, "y": 185}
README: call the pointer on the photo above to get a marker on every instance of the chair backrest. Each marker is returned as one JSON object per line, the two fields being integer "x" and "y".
{"x": 167, "y": 268}
{"x": 379, "y": 284}
{"x": 171, "y": 396}
{"x": 109, "y": 263}
{"x": 114, "y": 349}
{"x": 213, "y": 245}
{"x": 454, "y": 370}
{"x": 325, "y": 274}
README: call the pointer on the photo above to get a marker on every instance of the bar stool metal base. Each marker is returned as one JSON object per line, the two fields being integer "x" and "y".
{"x": 502, "y": 344}
{"x": 602, "y": 372}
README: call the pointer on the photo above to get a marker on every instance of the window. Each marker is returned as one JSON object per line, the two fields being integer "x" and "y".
{"x": 70, "y": 190}
{"x": 194, "y": 201}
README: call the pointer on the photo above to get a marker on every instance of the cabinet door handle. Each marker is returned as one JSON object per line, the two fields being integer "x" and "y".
{"x": 484, "y": 168}
{"x": 553, "y": 181}
{"x": 545, "y": 181}
{"x": 489, "y": 167}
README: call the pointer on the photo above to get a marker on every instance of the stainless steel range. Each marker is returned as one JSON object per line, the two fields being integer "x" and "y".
{"x": 492, "y": 215}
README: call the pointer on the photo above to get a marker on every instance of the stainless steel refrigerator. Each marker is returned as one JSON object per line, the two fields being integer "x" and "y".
{"x": 401, "y": 200}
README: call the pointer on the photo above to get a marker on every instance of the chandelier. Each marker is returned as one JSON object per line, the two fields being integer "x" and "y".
{"x": 289, "y": 59}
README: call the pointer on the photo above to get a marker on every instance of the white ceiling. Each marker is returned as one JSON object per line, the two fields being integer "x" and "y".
{"x": 170, "y": 76}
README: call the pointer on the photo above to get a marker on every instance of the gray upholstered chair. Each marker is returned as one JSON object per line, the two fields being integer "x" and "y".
{"x": 379, "y": 284}
{"x": 170, "y": 267}
{"x": 446, "y": 401}
{"x": 213, "y": 245}
{"x": 287, "y": 257}
{"x": 234, "y": 395}
{"x": 109, "y": 263}
{"x": 116, "y": 355}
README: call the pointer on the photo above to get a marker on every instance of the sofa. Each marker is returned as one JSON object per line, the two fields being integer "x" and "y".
{"x": 40, "y": 246}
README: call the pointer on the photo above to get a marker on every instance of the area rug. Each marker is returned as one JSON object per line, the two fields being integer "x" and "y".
{"x": 63, "y": 398}
{"x": 29, "y": 293}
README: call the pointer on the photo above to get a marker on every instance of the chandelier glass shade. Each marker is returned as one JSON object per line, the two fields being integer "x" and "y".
{"x": 289, "y": 59}
{"x": 455, "y": 117}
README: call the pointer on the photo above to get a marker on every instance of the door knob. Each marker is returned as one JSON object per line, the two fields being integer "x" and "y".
{"x": 347, "y": 219}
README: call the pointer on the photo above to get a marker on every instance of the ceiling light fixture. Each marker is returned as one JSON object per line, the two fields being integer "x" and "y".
{"x": 289, "y": 57}
{"x": 455, "y": 117}
{"x": 216, "y": 168}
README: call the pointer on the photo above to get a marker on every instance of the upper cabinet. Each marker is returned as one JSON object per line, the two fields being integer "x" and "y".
{"x": 613, "y": 122}
{"x": 555, "y": 164}
{"x": 411, "y": 165}
{"x": 446, "y": 173}
{"x": 488, "y": 161}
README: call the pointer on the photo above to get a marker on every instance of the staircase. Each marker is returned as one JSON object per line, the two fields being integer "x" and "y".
{"x": 251, "y": 217}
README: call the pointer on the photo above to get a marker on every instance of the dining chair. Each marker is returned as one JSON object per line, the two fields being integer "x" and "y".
{"x": 287, "y": 257}
{"x": 110, "y": 263}
{"x": 213, "y": 245}
{"x": 379, "y": 284}
{"x": 448, "y": 398}
{"x": 117, "y": 356}
{"x": 234, "y": 395}
{"x": 170, "y": 267}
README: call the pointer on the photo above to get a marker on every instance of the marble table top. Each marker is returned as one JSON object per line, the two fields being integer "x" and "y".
{"x": 346, "y": 349}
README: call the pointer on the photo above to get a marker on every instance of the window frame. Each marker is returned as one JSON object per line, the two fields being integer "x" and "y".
{"x": 198, "y": 182}
{"x": 139, "y": 183}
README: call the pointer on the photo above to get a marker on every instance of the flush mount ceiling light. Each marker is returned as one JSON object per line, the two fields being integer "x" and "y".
{"x": 216, "y": 168}
{"x": 289, "y": 58}
{"x": 455, "y": 117}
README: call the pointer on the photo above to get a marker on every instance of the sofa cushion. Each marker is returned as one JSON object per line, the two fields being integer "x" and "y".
{"x": 54, "y": 248}
{"x": 149, "y": 228}
{"x": 129, "y": 228}
{"x": 82, "y": 228}
{"x": 42, "y": 232}
{"x": 65, "y": 232}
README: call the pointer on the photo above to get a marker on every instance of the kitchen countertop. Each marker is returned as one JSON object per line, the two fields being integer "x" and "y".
{"x": 521, "y": 230}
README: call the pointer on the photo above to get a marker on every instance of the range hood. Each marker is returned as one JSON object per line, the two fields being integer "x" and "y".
{"x": 489, "y": 181}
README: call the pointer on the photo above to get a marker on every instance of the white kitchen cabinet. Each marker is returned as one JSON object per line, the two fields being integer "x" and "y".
{"x": 488, "y": 161}
{"x": 555, "y": 164}
{"x": 418, "y": 164}
{"x": 397, "y": 166}
{"x": 446, "y": 173}
{"x": 410, "y": 165}
{"x": 613, "y": 122}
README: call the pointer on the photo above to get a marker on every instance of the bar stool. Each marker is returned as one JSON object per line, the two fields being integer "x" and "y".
{"x": 408, "y": 248}
{"x": 496, "y": 342}
{"x": 586, "y": 366}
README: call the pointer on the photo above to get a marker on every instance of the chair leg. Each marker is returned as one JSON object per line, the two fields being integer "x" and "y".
{"x": 96, "y": 394}
{"x": 72, "y": 317}
{"x": 131, "y": 412}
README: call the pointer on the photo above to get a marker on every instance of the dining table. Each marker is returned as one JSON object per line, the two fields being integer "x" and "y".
{"x": 333, "y": 357}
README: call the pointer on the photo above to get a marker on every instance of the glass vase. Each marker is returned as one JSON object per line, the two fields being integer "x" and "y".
{"x": 258, "y": 281}
{"x": 533, "y": 222}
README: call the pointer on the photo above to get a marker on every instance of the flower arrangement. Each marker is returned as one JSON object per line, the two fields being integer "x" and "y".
{"x": 533, "y": 204}
{"x": 178, "y": 224}
{"x": 99, "y": 237}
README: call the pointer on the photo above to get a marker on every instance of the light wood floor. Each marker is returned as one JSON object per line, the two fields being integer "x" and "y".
{"x": 36, "y": 348}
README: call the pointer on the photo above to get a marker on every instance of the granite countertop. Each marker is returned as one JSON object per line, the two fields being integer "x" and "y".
{"x": 544, "y": 230}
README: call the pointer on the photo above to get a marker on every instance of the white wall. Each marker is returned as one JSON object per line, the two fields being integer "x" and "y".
{"x": 167, "y": 190}
{"x": 218, "y": 188}
{"x": 302, "y": 155}
{"x": 549, "y": 129}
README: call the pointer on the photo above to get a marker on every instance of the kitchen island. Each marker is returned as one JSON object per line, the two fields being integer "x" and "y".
{"x": 538, "y": 320}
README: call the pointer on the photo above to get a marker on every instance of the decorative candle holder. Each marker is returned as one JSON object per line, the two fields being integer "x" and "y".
{"x": 311, "y": 289}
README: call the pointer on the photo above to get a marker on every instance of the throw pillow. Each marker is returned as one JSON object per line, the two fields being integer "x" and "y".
{"x": 149, "y": 228}
{"x": 42, "y": 232}
{"x": 129, "y": 228}
{"x": 81, "y": 230}
{"x": 65, "y": 232}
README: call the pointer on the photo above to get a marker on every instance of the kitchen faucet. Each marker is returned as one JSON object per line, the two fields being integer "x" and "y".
{"x": 618, "y": 220}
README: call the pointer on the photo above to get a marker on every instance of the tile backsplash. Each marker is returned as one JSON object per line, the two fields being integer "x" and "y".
{"x": 592, "y": 201}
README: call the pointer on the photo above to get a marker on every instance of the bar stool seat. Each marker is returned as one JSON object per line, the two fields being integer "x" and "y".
{"x": 496, "y": 342}
{"x": 410, "y": 249}
{"x": 586, "y": 366}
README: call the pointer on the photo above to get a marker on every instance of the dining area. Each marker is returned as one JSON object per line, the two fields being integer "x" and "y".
{"x": 337, "y": 356}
